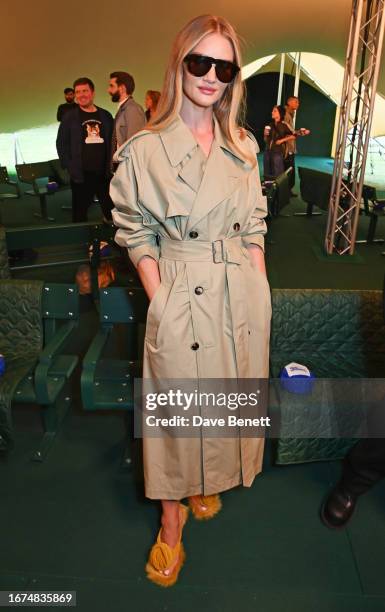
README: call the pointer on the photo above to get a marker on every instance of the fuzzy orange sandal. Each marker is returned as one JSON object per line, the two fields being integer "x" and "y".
{"x": 206, "y": 508}
{"x": 162, "y": 556}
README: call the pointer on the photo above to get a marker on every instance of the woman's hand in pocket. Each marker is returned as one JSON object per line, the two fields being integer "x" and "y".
{"x": 257, "y": 257}
{"x": 148, "y": 271}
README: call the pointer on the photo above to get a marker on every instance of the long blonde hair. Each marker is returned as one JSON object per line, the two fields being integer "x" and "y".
{"x": 230, "y": 109}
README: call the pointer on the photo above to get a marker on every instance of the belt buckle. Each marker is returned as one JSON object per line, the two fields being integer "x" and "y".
{"x": 218, "y": 251}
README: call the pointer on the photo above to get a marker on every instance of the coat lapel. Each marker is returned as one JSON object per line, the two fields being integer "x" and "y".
{"x": 224, "y": 169}
{"x": 180, "y": 146}
{"x": 211, "y": 185}
{"x": 192, "y": 170}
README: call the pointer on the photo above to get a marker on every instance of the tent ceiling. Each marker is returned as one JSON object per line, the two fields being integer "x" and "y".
{"x": 48, "y": 44}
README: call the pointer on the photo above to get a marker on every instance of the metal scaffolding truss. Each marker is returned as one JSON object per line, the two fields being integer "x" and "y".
{"x": 357, "y": 103}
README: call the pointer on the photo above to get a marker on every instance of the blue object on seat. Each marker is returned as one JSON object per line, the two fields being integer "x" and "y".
{"x": 52, "y": 186}
{"x": 297, "y": 378}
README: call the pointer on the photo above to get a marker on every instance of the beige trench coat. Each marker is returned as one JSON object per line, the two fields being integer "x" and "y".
{"x": 210, "y": 317}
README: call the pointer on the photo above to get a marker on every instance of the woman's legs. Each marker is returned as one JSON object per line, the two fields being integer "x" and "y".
{"x": 167, "y": 555}
{"x": 277, "y": 163}
{"x": 267, "y": 169}
{"x": 170, "y": 528}
{"x": 273, "y": 164}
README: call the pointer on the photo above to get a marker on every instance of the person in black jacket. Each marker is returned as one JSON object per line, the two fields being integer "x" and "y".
{"x": 276, "y": 135}
{"x": 68, "y": 105}
{"x": 83, "y": 145}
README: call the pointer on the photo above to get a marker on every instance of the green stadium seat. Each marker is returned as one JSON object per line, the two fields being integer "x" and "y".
{"x": 36, "y": 376}
{"x": 107, "y": 382}
{"x": 38, "y": 174}
{"x": 5, "y": 196}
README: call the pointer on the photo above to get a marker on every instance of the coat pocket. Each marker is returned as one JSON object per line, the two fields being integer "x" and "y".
{"x": 155, "y": 312}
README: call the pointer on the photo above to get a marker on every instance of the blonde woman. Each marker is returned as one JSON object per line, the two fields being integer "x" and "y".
{"x": 151, "y": 101}
{"x": 191, "y": 212}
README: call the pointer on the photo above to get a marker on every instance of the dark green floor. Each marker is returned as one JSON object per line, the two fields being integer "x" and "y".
{"x": 295, "y": 257}
{"x": 78, "y": 522}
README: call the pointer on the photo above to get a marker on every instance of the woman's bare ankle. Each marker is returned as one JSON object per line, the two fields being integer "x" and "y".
{"x": 170, "y": 530}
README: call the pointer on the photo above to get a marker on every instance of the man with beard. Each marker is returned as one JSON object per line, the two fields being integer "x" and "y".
{"x": 130, "y": 117}
{"x": 292, "y": 105}
{"x": 68, "y": 105}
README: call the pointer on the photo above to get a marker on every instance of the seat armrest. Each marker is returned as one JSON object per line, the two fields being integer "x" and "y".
{"x": 50, "y": 351}
{"x": 17, "y": 187}
{"x": 90, "y": 362}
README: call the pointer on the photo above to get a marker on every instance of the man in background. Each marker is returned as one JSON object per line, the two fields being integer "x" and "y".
{"x": 292, "y": 105}
{"x": 130, "y": 117}
{"x": 84, "y": 147}
{"x": 69, "y": 104}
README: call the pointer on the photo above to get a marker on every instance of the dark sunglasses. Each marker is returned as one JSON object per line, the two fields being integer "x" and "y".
{"x": 199, "y": 65}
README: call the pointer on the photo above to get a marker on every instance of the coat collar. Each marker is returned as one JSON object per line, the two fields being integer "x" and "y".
{"x": 224, "y": 143}
{"x": 220, "y": 178}
{"x": 127, "y": 102}
{"x": 179, "y": 141}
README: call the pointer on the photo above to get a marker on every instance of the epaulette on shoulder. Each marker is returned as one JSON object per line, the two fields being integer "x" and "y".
{"x": 124, "y": 150}
{"x": 251, "y": 136}
{"x": 253, "y": 140}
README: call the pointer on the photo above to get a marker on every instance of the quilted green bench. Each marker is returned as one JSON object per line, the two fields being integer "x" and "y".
{"x": 37, "y": 321}
{"x": 336, "y": 334}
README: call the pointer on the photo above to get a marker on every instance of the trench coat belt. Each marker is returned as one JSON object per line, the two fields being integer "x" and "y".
{"x": 227, "y": 250}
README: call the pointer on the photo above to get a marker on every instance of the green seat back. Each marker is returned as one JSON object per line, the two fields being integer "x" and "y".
{"x": 315, "y": 187}
{"x": 60, "y": 301}
{"x": 123, "y": 305}
{"x": 28, "y": 173}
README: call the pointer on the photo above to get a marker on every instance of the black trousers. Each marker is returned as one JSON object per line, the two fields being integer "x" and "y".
{"x": 83, "y": 195}
{"x": 273, "y": 164}
{"x": 289, "y": 162}
{"x": 364, "y": 466}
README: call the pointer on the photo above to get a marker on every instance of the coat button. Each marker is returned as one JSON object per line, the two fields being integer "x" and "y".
{"x": 198, "y": 290}
{"x": 195, "y": 346}
{"x": 236, "y": 227}
{"x": 193, "y": 234}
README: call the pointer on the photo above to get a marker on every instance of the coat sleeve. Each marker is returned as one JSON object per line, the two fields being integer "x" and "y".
{"x": 132, "y": 219}
{"x": 256, "y": 229}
